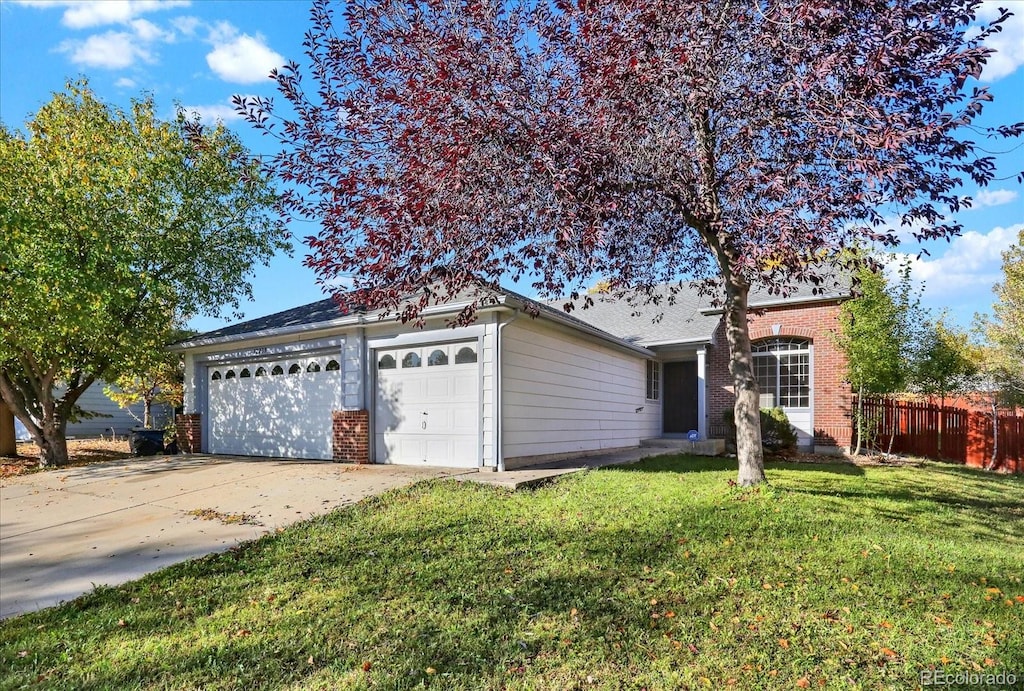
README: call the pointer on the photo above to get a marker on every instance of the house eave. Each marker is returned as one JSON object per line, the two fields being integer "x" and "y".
{"x": 784, "y": 302}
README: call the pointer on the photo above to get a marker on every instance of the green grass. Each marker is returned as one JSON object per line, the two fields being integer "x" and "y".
{"x": 655, "y": 576}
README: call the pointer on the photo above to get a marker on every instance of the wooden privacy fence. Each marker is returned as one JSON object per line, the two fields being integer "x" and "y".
{"x": 954, "y": 434}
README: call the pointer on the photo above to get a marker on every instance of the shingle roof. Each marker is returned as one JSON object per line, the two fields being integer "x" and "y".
{"x": 674, "y": 315}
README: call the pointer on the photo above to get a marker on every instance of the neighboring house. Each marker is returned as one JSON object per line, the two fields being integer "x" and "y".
{"x": 506, "y": 391}
{"x": 110, "y": 418}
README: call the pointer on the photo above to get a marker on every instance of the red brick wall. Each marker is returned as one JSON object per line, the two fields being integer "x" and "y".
{"x": 351, "y": 435}
{"x": 189, "y": 428}
{"x": 832, "y": 397}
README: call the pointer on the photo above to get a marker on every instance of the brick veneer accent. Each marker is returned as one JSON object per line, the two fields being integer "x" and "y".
{"x": 351, "y": 435}
{"x": 190, "y": 432}
{"x": 832, "y": 399}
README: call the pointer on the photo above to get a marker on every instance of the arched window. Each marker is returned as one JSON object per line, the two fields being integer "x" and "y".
{"x": 411, "y": 359}
{"x": 437, "y": 357}
{"x": 261, "y": 371}
{"x": 332, "y": 366}
{"x": 216, "y": 375}
{"x": 783, "y": 370}
{"x": 294, "y": 369}
{"x": 277, "y": 370}
{"x": 465, "y": 356}
{"x": 245, "y": 373}
{"x": 230, "y": 374}
{"x": 387, "y": 362}
{"x": 313, "y": 367}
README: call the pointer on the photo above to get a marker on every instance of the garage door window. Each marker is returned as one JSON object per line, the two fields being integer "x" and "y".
{"x": 261, "y": 371}
{"x": 230, "y": 374}
{"x": 387, "y": 362}
{"x": 294, "y": 369}
{"x": 411, "y": 359}
{"x": 437, "y": 357}
{"x": 277, "y": 370}
{"x": 216, "y": 375}
{"x": 245, "y": 374}
{"x": 313, "y": 367}
{"x": 333, "y": 366}
{"x": 465, "y": 356}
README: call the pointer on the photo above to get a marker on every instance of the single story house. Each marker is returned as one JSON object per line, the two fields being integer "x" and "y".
{"x": 509, "y": 390}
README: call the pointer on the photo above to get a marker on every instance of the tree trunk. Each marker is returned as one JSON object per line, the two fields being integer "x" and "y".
{"x": 741, "y": 366}
{"x": 147, "y": 412}
{"x": 8, "y": 442}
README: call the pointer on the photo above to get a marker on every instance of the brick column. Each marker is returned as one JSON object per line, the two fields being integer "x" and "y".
{"x": 351, "y": 435}
{"x": 190, "y": 432}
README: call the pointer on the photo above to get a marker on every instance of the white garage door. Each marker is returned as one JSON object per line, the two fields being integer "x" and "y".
{"x": 428, "y": 405}
{"x": 280, "y": 408}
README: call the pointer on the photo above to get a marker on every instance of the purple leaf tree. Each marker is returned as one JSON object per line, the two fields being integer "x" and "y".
{"x": 643, "y": 142}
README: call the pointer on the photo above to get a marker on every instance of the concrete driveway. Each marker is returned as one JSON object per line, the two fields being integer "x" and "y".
{"x": 64, "y": 532}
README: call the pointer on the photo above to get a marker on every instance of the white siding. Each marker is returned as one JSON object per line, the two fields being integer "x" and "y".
{"x": 563, "y": 393}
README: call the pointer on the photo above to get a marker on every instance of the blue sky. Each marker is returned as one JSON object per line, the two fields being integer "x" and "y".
{"x": 200, "y": 53}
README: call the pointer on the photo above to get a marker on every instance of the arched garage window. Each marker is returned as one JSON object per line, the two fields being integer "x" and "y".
{"x": 245, "y": 374}
{"x": 230, "y": 374}
{"x": 294, "y": 369}
{"x": 465, "y": 355}
{"x": 277, "y": 370}
{"x": 261, "y": 372}
{"x": 387, "y": 362}
{"x": 333, "y": 366}
{"x": 783, "y": 370}
{"x": 216, "y": 375}
{"x": 313, "y": 367}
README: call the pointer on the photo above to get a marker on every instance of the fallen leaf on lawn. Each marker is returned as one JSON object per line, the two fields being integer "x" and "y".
{"x": 944, "y": 660}
{"x": 669, "y": 614}
{"x": 121, "y": 623}
{"x": 1019, "y": 598}
{"x": 784, "y": 643}
{"x": 803, "y": 683}
{"x": 22, "y": 653}
{"x": 692, "y": 648}
{"x": 888, "y": 652}
{"x": 885, "y": 625}
{"x": 773, "y": 673}
{"x": 573, "y": 612}
{"x": 431, "y": 670}
{"x": 310, "y": 660}
{"x": 367, "y": 665}
{"x": 241, "y": 633}
{"x": 989, "y": 662}
{"x": 994, "y": 591}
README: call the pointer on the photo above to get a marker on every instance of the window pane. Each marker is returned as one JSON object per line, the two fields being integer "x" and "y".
{"x": 465, "y": 356}
{"x": 261, "y": 372}
{"x": 277, "y": 370}
{"x": 313, "y": 367}
{"x": 294, "y": 369}
{"x": 411, "y": 359}
{"x": 230, "y": 374}
{"x": 333, "y": 366}
{"x": 653, "y": 370}
{"x": 216, "y": 375}
{"x": 795, "y": 380}
{"x": 387, "y": 362}
{"x": 245, "y": 374}
{"x": 438, "y": 357}
{"x": 766, "y": 369}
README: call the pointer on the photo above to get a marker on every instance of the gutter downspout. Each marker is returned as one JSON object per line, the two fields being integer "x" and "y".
{"x": 500, "y": 384}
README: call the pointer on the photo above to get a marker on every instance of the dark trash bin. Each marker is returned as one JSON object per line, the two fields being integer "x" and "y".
{"x": 146, "y": 442}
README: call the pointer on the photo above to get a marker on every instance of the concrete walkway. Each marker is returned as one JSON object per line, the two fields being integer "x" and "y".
{"x": 63, "y": 532}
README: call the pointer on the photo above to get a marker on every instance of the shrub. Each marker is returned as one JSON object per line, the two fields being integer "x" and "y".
{"x": 777, "y": 434}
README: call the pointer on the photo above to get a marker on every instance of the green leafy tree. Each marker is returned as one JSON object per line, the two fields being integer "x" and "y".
{"x": 879, "y": 333}
{"x": 946, "y": 364}
{"x": 158, "y": 379}
{"x": 1005, "y": 331}
{"x": 114, "y": 224}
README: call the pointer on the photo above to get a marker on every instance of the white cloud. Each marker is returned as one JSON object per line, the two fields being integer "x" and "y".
{"x": 186, "y": 25}
{"x": 993, "y": 198}
{"x": 111, "y": 50}
{"x": 83, "y": 14}
{"x": 971, "y": 264}
{"x": 1008, "y": 43}
{"x": 243, "y": 59}
{"x": 125, "y": 83}
{"x": 214, "y": 113}
{"x": 148, "y": 31}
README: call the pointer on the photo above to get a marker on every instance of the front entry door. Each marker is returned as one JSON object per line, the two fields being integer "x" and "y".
{"x": 680, "y": 404}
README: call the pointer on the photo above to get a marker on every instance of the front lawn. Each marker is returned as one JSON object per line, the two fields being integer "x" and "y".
{"x": 656, "y": 576}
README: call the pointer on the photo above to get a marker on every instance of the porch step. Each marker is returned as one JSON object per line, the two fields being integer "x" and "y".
{"x": 707, "y": 447}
